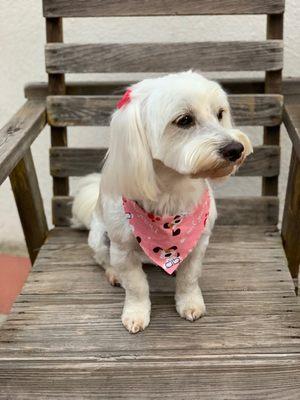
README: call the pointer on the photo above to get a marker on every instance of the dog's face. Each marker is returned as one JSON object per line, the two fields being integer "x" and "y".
{"x": 184, "y": 121}
{"x": 198, "y": 138}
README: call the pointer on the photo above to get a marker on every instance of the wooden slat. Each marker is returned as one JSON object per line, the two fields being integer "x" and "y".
{"x": 272, "y": 377}
{"x": 30, "y": 204}
{"x": 33, "y": 90}
{"x": 75, "y": 161}
{"x": 18, "y": 134}
{"x": 231, "y": 211}
{"x": 265, "y": 161}
{"x": 114, "y": 8}
{"x": 96, "y": 110}
{"x": 56, "y": 85}
{"x": 164, "y": 57}
{"x": 257, "y": 109}
{"x": 248, "y": 211}
{"x": 66, "y": 162}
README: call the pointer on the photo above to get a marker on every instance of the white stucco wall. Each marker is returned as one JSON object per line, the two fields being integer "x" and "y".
{"x": 22, "y": 33}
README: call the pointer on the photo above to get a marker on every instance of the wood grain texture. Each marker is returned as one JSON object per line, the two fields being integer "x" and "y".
{"x": 79, "y": 380}
{"x": 231, "y": 211}
{"x": 64, "y": 338}
{"x": 29, "y": 202}
{"x": 115, "y": 8}
{"x": 66, "y": 162}
{"x": 291, "y": 218}
{"x": 18, "y": 134}
{"x": 247, "y": 110}
{"x": 164, "y": 57}
{"x": 33, "y": 90}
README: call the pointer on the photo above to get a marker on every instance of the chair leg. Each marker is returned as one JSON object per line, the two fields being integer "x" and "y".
{"x": 29, "y": 203}
{"x": 291, "y": 219}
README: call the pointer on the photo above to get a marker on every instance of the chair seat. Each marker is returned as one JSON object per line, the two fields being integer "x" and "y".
{"x": 64, "y": 338}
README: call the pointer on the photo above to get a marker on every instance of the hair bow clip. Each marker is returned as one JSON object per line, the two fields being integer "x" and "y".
{"x": 126, "y": 98}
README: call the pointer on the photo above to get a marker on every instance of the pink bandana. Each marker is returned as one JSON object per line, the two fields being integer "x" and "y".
{"x": 167, "y": 241}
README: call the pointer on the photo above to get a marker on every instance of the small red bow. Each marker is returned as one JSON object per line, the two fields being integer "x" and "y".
{"x": 125, "y": 99}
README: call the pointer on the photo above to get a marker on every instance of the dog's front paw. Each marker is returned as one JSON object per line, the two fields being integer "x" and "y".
{"x": 137, "y": 318}
{"x": 190, "y": 307}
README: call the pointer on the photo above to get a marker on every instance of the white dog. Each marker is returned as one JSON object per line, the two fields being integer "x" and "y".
{"x": 168, "y": 137}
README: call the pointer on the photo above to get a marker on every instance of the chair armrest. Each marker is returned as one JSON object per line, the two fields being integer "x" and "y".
{"x": 18, "y": 134}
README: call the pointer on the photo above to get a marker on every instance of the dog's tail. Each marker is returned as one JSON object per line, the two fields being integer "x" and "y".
{"x": 85, "y": 201}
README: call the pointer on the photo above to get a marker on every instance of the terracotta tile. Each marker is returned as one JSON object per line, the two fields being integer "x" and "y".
{"x": 13, "y": 274}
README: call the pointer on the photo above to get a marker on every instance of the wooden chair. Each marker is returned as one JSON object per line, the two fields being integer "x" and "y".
{"x": 64, "y": 338}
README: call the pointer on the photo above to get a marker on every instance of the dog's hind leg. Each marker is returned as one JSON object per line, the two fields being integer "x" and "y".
{"x": 100, "y": 243}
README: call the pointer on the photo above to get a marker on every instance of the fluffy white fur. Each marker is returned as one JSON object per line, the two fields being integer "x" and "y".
{"x": 153, "y": 159}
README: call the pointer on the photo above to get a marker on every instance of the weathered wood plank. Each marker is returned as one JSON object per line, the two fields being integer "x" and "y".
{"x": 96, "y": 110}
{"x": 225, "y": 302}
{"x": 18, "y": 134}
{"x": 82, "y": 161}
{"x": 225, "y": 234}
{"x": 116, "y": 8}
{"x": 248, "y": 210}
{"x": 76, "y": 161}
{"x": 238, "y": 332}
{"x": 33, "y": 90}
{"x": 164, "y": 57}
{"x": 256, "y": 109}
{"x": 86, "y": 277}
{"x": 30, "y": 204}
{"x": 258, "y": 378}
{"x": 231, "y": 211}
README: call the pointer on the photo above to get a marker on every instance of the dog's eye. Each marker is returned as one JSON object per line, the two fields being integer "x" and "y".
{"x": 220, "y": 114}
{"x": 185, "y": 121}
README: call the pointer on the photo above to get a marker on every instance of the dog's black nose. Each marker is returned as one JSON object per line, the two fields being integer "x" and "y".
{"x": 232, "y": 151}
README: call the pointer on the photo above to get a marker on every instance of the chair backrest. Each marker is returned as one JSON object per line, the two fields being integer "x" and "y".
{"x": 92, "y": 104}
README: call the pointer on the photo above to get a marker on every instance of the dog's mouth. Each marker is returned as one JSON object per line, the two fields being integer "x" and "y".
{"x": 222, "y": 169}
{"x": 227, "y": 159}
{"x": 214, "y": 173}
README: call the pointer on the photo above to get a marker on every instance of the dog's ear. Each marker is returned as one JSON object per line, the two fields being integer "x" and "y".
{"x": 128, "y": 169}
